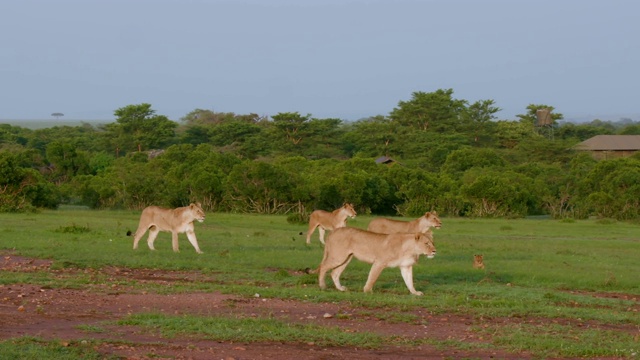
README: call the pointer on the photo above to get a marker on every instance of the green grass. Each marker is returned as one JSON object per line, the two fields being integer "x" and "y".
{"x": 27, "y": 348}
{"x": 249, "y": 330}
{"x": 566, "y": 341}
{"x": 534, "y": 269}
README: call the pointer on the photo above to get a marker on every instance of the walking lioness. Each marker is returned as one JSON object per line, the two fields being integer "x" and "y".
{"x": 421, "y": 224}
{"x": 176, "y": 221}
{"x": 324, "y": 220}
{"x": 381, "y": 250}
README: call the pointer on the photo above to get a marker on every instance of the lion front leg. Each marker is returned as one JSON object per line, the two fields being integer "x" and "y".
{"x": 191, "y": 235}
{"x": 374, "y": 273}
{"x": 407, "y": 275}
{"x": 174, "y": 241}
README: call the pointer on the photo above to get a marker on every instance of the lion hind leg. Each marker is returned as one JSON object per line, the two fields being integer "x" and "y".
{"x": 191, "y": 235}
{"x": 337, "y": 271}
{"x": 329, "y": 263}
{"x": 374, "y": 273}
{"x": 153, "y": 233}
{"x": 321, "y": 231}
{"x": 407, "y": 275}
{"x": 312, "y": 228}
{"x": 138, "y": 235}
{"x": 136, "y": 238}
{"x": 322, "y": 272}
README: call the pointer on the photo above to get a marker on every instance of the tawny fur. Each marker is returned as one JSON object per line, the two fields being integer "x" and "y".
{"x": 176, "y": 221}
{"x": 324, "y": 220}
{"x": 381, "y": 250}
{"x": 390, "y": 226}
{"x": 478, "y": 261}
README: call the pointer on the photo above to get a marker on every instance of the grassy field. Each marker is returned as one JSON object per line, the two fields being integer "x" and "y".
{"x": 574, "y": 271}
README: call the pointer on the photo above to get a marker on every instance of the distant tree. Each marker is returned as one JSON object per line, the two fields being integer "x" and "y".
{"x": 462, "y": 160}
{"x": 631, "y": 129}
{"x": 200, "y": 117}
{"x": 436, "y": 111}
{"x": 209, "y": 117}
{"x": 498, "y": 193}
{"x": 374, "y": 136}
{"x": 510, "y": 133}
{"x": 10, "y": 134}
{"x": 259, "y": 187}
{"x": 23, "y": 188}
{"x": 57, "y": 115}
{"x": 67, "y": 160}
{"x": 606, "y": 125}
{"x": 138, "y": 128}
{"x": 232, "y": 132}
{"x": 292, "y": 126}
{"x": 194, "y": 135}
{"x": 530, "y": 116}
{"x": 478, "y": 117}
{"x": 610, "y": 189}
{"x": 580, "y": 132}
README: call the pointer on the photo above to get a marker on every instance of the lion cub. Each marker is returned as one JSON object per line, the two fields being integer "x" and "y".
{"x": 382, "y": 251}
{"x": 478, "y": 262}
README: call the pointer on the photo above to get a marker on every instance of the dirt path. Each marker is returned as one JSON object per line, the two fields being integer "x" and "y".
{"x": 58, "y": 314}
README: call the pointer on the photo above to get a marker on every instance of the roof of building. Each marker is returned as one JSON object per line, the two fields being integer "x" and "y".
{"x": 610, "y": 142}
{"x": 384, "y": 160}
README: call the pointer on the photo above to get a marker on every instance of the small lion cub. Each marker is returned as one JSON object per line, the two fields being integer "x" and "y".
{"x": 478, "y": 262}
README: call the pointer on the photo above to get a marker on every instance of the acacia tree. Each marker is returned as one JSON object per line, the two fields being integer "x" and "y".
{"x": 478, "y": 117}
{"x": 437, "y": 111}
{"x": 292, "y": 125}
{"x": 138, "y": 128}
{"x": 374, "y": 136}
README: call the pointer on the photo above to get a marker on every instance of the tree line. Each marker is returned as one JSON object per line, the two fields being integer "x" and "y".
{"x": 443, "y": 153}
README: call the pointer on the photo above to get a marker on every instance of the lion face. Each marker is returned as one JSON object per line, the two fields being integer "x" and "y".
{"x": 432, "y": 220}
{"x": 478, "y": 261}
{"x": 197, "y": 212}
{"x": 425, "y": 243}
{"x": 349, "y": 210}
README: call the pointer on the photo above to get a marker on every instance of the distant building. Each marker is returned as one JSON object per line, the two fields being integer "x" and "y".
{"x": 385, "y": 160}
{"x": 604, "y": 147}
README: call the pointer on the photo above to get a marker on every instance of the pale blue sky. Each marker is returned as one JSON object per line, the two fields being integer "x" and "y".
{"x": 329, "y": 58}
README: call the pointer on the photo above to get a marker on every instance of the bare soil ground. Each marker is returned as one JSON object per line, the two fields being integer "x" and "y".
{"x": 64, "y": 314}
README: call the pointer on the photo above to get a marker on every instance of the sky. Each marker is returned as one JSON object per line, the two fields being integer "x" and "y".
{"x": 346, "y": 59}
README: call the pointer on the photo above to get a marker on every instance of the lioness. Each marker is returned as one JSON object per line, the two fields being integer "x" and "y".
{"x": 324, "y": 220}
{"x": 421, "y": 224}
{"x": 381, "y": 250}
{"x": 179, "y": 220}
